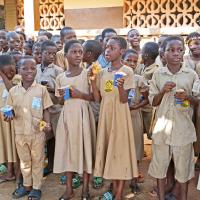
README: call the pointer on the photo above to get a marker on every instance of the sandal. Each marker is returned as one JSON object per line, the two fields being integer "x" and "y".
{"x": 76, "y": 182}
{"x": 20, "y": 192}
{"x": 3, "y": 169}
{"x": 97, "y": 182}
{"x": 108, "y": 196}
{"x": 35, "y": 195}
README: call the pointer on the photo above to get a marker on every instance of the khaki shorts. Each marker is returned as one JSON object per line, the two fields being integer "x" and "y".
{"x": 183, "y": 157}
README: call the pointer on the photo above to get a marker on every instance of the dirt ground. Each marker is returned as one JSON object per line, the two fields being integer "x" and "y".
{"x": 52, "y": 189}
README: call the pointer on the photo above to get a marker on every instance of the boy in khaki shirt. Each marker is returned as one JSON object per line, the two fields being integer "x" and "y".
{"x": 174, "y": 132}
{"x": 30, "y": 102}
{"x": 47, "y": 72}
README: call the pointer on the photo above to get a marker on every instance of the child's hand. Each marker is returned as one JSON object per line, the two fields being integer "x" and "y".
{"x": 8, "y": 118}
{"x": 120, "y": 83}
{"x": 61, "y": 92}
{"x": 168, "y": 86}
{"x": 47, "y": 128}
{"x": 49, "y": 88}
{"x": 91, "y": 75}
{"x": 134, "y": 107}
{"x": 75, "y": 93}
{"x": 181, "y": 95}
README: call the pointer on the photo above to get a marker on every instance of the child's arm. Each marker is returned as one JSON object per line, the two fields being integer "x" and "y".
{"x": 166, "y": 88}
{"x": 95, "y": 90}
{"x": 6, "y": 81}
{"x": 80, "y": 95}
{"x": 46, "y": 118}
{"x": 142, "y": 103}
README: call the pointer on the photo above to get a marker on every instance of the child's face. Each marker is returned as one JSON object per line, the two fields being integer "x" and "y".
{"x": 131, "y": 60}
{"x": 194, "y": 47}
{"x": 113, "y": 51}
{"x": 134, "y": 38}
{"x": 42, "y": 38}
{"x": 174, "y": 52}
{"x": 28, "y": 70}
{"x": 75, "y": 54}
{"x": 86, "y": 54}
{"x": 58, "y": 44}
{"x": 70, "y": 35}
{"x": 49, "y": 55}
{"x": 14, "y": 43}
{"x": 108, "y": 36}
{"x": 9, "y": 71}
{"x": 27, "y": 50}
{"x": 3, "y": 41}
{"x": 37, "y": 55}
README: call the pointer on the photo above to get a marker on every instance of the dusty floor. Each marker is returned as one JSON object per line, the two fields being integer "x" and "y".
{"x": 52, "y": 190}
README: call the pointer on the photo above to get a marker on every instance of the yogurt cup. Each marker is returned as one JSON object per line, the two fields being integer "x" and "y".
{"x": 117, "y": 76}
{"x": 7, "y": 111}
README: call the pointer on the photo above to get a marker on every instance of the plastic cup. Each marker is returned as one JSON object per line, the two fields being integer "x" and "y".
{"x": 67, "y": 93}
{"x": 7, "y": 111}
{"x": 117, "y": 76}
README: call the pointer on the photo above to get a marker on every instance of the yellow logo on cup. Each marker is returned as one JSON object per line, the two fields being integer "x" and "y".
{"x": 108, "y": 86}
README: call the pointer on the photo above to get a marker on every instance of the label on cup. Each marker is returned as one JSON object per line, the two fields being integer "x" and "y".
{"x": 117, "y": 76}
{"x": 67, "y": 93}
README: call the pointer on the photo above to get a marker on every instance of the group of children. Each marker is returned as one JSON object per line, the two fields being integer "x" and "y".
{"x": 67, "y": 95}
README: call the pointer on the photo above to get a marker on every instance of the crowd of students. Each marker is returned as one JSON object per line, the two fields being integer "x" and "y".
{"x": 65, "y": 97}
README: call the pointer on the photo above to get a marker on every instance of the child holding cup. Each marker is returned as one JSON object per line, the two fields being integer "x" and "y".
{"x": 115, "y": 126}
{"x": 30, "y": 102}
{"x": 76, "y": 132}
{"x": 7, "y": 142}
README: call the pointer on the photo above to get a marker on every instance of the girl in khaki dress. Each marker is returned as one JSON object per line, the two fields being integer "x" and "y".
{"x": 7, "y": 143}
{"x": 130, "y": 58}
{"x": 115, "y": 150}
{"x": 75, "y": 135}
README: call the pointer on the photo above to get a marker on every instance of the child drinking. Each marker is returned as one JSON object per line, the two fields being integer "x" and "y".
{"x": 30, "y": 102}
{"x": 76, "y": 134}
{"x": 115, "y": 127}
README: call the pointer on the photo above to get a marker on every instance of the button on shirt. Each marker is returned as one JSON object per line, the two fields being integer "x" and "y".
{"x": 174, "y": 124}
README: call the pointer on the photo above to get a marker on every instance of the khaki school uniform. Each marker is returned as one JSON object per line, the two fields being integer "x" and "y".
{"x": 174, "y": 132}
{"x": 137, "y": 121}
{"x": 76, "y": 132}
{"x": 61, "y": 61}
{"x": 140, "y": 65}
{"x": 28, "y": 107}
{"x": 49, "y": 74}
{"x": 7, "y": 139}
{"x": 158, "y": 62}
{"x": 147, "y": 74}
{"x": 115, "y": 150}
